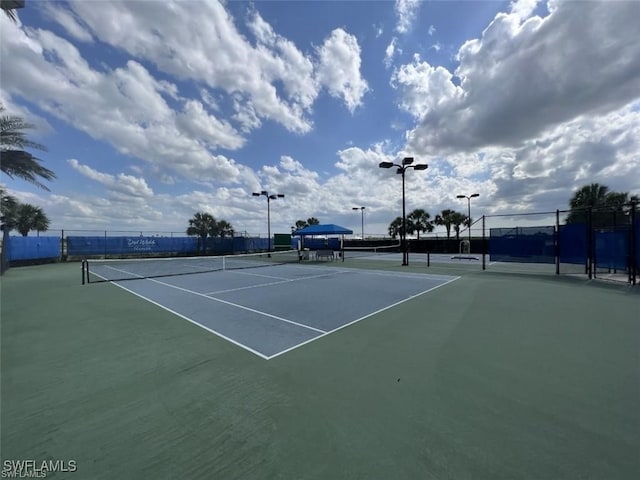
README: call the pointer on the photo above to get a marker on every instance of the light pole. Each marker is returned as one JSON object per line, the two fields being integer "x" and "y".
{"x": 406, "y": 164}
{"x": 362, "y": 220}
{"x": 469, "y": 212}
{"x": 269, "y": 198}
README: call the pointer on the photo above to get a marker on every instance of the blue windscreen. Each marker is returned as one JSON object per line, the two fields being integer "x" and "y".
{"x": 101, "y": 245}
{"x": 32, "y": 248}
{"x": 573, "y": 243}
{"x": 638, "y": 240}
{"x": 612, "y": 247}
{"x": 522, "y": 244}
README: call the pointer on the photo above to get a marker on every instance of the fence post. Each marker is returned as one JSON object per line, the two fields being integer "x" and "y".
{"x": 590, "y": 247}
{"x": 484, "y": 246}
{"x": 633, "y": 248}
{"x": 557, "y": 242}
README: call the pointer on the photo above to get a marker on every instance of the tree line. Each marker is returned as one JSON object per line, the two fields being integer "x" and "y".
{"x": 594, "y": 202}
{"x": 419, "y": 221}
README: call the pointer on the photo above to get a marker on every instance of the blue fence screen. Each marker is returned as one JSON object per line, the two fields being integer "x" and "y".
{"x": 522, "y": 244}
{"x": 612, "y": 248}
{"x": 33, "y": 248}
{"x": 573, "y": 243}
{"x": 638, "y": 242}
{"x": 78, "y": 246}
{"x": 141, "y": 246}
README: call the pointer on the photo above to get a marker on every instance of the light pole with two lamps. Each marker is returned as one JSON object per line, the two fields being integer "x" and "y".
{"x": 362, "y": 220}
{"x": 469, "y": 197}
{"x": 407, "y": 163}
{"x": 269, "y": 198}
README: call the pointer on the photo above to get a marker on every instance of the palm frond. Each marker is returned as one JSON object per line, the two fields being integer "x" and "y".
{"x": 21, "y": 164}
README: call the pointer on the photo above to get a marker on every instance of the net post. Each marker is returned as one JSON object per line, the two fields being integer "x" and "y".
{"x": 82, "y": 266}
{"x": 428, "y": 259}
{"x": 557, "y": 242}
{"x": 484, "y": 245}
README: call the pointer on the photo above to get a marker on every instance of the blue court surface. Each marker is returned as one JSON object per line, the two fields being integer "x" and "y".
{"x": 272, "y": 310}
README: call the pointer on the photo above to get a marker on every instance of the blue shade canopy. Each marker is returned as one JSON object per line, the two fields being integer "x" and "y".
{"x": 329, "y": 229}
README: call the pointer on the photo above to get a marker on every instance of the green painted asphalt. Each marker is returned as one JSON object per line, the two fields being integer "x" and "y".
{"x": 493, "y": 376}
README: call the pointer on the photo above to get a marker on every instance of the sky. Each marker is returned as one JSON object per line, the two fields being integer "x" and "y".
{"x": 154, "y": 110}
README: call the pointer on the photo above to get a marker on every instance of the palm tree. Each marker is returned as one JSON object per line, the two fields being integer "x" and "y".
{"x": 445, "y": 219}
{"x": 604, "y": 203}
{"x": 14, "y": 161}
{"x": 201, "y": 225}
{"x": 418, "y": 221}
{"x": 458, "y": 219}
{"x": 8, "y": 205}
{"x": 224, "y": 229}
{"x": 593, "y": 195}
{"x": 313, "y": 221}
{"x": 28, "y": 217}
{"x": 395, "y": 227}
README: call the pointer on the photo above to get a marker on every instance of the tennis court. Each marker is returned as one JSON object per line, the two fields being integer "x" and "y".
{"x": 267, "y": 304}
{"x": 489, "y": 376}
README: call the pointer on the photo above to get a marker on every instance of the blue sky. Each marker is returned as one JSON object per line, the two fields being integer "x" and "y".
{"x": 154, "y": 110}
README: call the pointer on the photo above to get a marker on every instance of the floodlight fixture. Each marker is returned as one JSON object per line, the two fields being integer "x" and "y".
{"x": 362, "y": 218}
{"x": 402, "y": 168}
{"x": 469, "y": 197}
{"x": 270, "y": 197}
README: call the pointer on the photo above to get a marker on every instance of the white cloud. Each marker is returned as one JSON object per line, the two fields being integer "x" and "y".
{"x": 424, "y": 89}
{"x": 70, "y": 22}
{"x": 121, "y": 183}
{"x": 522, "y": 78}
{"x": 339, "y": 68}
{"x": 216, "y": 53}
{"x": 391, "y": 51}
{"x": 406, "y": 11}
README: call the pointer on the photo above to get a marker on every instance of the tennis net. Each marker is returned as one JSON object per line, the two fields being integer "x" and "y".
{"x": 131, "y": 269}
{"x": 359, "y": 252}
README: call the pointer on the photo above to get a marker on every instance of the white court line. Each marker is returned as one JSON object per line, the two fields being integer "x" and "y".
{"x": 425, "y": 276}
{"x": 255, "y": 274}
{"x": 361, "y": 318}
{"x": 288, "y": 280}
{"x": 242, "y": 307}
{"x": 193, "y": 321}
{"x": 323, "y": 333}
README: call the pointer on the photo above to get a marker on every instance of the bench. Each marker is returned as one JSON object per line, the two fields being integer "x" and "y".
{"x": 326, "y": 254}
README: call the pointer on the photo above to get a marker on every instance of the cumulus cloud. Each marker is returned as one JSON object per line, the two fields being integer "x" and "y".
{"x": 218, "y": 55}
{"x": 122, "y": 183}
{"x": 339, "y": 68}
{"x": 525, "y": 76}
